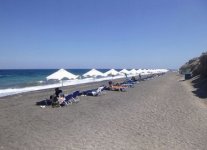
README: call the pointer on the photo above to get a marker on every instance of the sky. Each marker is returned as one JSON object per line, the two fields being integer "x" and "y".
{"x": 41, "y": 34}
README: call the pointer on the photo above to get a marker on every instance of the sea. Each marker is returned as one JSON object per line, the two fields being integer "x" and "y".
{"x": 13, "y": 81}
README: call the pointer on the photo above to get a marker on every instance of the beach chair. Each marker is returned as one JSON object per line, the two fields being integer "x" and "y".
{"x": 72, "y": 98}
{"x": 75, "y": 96}
{"x": 69, "y": 99}
{"x": 127, "y": 85}
{"x": 46, "y": 102}
{"x": 98, "y": 91}
{"x": 95, "y": 92}
{"x": 130, "y": 82}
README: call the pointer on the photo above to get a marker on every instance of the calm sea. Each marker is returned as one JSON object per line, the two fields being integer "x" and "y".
{"x": 18, "y": 78}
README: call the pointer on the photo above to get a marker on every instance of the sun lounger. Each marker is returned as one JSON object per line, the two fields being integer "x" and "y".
{"x": 128, "y": 85}
{"x": 72, "y": 98}
{"x": 95, "y": 92}
{"x": 130, "y": 82}
{"x": 76, "y": 95}
{"x": 46, "y": 102}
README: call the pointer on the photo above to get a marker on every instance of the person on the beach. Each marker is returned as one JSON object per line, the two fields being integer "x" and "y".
{"x": 57, "y": 98}
{"x": 57, "y": 92}
{"x": 116, "y": 87}
{"x": 61, "y": 98}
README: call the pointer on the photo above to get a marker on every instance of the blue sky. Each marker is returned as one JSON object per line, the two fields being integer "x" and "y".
{"x": 101, "y": 34}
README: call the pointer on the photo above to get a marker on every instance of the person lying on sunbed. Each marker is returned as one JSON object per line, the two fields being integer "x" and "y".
{"x": 116, "y": 87}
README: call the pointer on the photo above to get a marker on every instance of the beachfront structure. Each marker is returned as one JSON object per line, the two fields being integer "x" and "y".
{"x": 93, "y": 73}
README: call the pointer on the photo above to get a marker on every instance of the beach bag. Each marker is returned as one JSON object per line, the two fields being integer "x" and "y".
{"x": 55, "y": 104}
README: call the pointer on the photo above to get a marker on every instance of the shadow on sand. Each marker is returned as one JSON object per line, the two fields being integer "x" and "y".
{"x": 200, "y": 84}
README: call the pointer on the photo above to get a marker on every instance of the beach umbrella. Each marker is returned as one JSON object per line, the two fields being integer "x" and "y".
{"x": 139, "y": 71}
{"x": 133, "y": 72}
{"x": 111, "y": 73}
{"x": 60, "y": 75}
{"x": 164, "y": 70}
{"x": 145, "y": 72}
{"x": 93, "y": 73}
{"x": 124, "y": 71}
{"x": 155, "y": 71}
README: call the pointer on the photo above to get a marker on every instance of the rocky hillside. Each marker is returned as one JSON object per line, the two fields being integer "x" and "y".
{"x": 196, "y": 66}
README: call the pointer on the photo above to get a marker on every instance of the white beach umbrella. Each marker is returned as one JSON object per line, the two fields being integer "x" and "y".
{"x": 111, "y": 72}
{"x": 156, "y": 71}
{"x": 145, "y": 72}
{"x": 93, "y": 73}
{"x": 139, "y": 71}
{"x": 164, "y": 70}
{"x": 151, "y": 71}
{"x": 133, "y": 72}
{"x": 124, "y": 71}
{"x": 60, "y": 75}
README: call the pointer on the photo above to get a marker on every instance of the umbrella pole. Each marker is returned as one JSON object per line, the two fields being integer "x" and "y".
{"x": 62, "y": 83}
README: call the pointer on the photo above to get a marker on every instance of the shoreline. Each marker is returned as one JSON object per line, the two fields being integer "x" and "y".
{"x": 13, "y": 91}
{"x": 10, "y": 92}
{"x": 14, "y": 82}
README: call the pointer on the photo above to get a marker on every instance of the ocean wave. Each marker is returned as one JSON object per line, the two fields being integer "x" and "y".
{"x": 41, "y": 81}
{"x": 5, "y": 75}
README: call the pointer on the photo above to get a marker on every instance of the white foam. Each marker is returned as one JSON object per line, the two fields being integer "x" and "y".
{"x": 40, "y": 81}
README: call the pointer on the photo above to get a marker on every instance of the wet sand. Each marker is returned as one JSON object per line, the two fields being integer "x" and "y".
{"x": 157, "y": 114}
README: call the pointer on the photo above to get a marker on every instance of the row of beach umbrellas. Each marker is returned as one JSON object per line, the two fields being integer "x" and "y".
{"x": 62, "y": 73}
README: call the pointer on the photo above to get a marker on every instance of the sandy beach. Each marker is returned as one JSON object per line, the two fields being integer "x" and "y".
{"x": 157, "y": 114}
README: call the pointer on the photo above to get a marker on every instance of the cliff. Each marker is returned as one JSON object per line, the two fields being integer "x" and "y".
{"x": 196, "y": 66}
